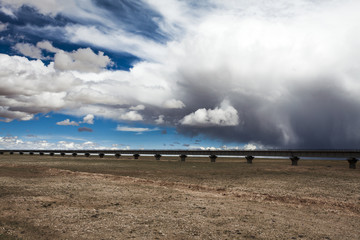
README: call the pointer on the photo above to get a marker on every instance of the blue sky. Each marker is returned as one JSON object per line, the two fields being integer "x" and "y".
{"x": 102, "y": 134}
{"x": 179, "y": 74}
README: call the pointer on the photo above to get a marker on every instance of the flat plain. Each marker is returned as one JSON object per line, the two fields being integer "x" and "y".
{"x": 54, "y": 197}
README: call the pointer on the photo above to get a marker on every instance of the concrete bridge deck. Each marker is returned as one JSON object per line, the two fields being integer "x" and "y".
{"x": 294, "y": 155}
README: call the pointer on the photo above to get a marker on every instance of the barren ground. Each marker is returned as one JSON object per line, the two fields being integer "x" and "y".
{"x": 44, "y": 197}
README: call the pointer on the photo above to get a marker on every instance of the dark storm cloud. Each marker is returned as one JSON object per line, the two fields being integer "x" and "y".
{"x": 324, "y": 116}
{"x": 321, "y": 115}
{"x": 285, "y": 97}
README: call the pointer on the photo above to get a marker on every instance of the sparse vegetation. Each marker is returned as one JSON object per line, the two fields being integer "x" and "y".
{"x": 62, "y": 197}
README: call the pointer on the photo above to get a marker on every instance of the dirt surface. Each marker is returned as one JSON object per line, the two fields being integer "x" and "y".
{"x": 44, "y": 197}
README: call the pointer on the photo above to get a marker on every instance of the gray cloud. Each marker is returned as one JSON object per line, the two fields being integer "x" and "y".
{"x": 285, "y": 96}
{"x": 83, "y": 59}
{"x": 84, "y": 129}
{"x": 28, "y": 50}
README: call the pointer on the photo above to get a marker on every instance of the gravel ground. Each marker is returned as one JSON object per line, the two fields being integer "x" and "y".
{"x": 91, "y": 198}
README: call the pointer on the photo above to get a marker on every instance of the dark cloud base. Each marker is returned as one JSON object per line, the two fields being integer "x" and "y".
{"x": 322, "y": 116}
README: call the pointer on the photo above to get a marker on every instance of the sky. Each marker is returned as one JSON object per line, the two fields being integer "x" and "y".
{"x": 179, "y": 74}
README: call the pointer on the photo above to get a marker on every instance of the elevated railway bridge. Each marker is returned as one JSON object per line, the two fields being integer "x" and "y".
{"x": 294, "y": 155}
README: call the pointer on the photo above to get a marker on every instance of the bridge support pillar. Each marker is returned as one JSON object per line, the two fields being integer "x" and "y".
{"x": 294, "y": 160}
{"x": 74, "y": 154}
{"x": 213, "y": 158}
{"x": 52, "y": 154}
{"x": 62, "y": 154}
{"x": 157, "y": 156}
{"x": 31, "y": 153}
{"x": 41, "y": 153}
{"x": 183, "y": 157}
{"x": 117, "y": 155}
{"x": 101, "y": 155}
{"x": 249, "y": 159}
{"x": 87, "y": 154}
{"x": 352, "y": 162}
{"x": 136, "y": 156}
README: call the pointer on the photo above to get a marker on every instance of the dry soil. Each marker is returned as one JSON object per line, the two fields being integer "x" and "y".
{"x": 44, "y": 197}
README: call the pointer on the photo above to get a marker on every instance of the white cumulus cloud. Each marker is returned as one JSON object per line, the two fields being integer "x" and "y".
{"x": 82, "y": 59}
{"x": 160, "y": 120}
{"x": 67, "y": 122}
{"x": 225, "y": 115}
{"x": 131, "y": 116}
{"x": 250, "y": 146}
{"x": 89, "y": 119}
